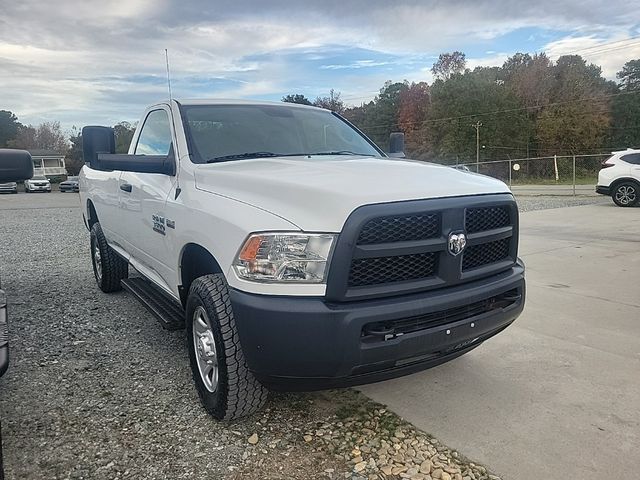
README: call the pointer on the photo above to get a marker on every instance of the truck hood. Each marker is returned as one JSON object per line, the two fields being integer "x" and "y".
{"x": 318, "y": 193}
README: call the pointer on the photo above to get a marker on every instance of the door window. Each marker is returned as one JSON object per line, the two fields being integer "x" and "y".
{"x": 155, "y": 137}
{"x": 633, "y": 158}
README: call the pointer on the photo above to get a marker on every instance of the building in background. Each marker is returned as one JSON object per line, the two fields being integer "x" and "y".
{"x": 48, "y": 163}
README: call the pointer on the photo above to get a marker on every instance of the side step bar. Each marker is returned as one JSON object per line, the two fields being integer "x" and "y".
{"x": 169, "y": 312}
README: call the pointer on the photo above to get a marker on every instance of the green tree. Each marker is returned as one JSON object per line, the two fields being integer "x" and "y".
{"x": 124, "y": 133}
{"x": 625, "y": 108}
{"x": 455, "y": 105}
{"x": 382, "y": 114}
{"x": 9, "y": 126}
{"x": 296, "y": 98}
{"x": 629, "y": 76}
{"x": 577, "y": 118}
{"x": 73, "y": 158}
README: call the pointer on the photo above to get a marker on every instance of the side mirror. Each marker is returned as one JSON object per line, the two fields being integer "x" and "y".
{"x": 396, "y": 145}
{"x": 97, "y": 140}
{"x": 15, "y": 165}
{"x": 163, "y": 164}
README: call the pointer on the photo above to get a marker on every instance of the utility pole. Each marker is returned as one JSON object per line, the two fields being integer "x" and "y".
{"x": 477, "y": 126}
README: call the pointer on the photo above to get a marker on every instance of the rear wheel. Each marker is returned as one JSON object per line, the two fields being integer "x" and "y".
{"x": 108, "y": 267}
{"x": 626, "y": 194}
{"x": 227, "y": 389}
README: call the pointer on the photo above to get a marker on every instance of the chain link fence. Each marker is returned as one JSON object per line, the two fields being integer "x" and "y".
{"x": 561, "y": 175}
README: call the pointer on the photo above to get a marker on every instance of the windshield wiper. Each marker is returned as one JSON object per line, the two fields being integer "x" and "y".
{"x": 342, "y": 152}
{"x": 239, "y": 156}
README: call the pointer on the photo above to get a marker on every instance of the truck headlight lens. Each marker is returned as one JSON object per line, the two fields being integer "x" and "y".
{"x": 285, "y": 257}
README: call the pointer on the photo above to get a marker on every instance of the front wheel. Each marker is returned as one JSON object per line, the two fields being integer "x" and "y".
{"x": 227, "y": 389}
{"x": 108, "y": 267}
{"x": 626, "y": 194}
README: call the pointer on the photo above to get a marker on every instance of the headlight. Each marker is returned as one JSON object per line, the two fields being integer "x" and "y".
{"x": 284, "y": 257}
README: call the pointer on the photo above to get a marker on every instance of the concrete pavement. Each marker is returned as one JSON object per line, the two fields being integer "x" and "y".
{"x": 556, "y": 395}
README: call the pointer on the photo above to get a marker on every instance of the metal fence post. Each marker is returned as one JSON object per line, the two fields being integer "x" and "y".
{"x": 574, "y": 175}
{"x": 510, "y": 167}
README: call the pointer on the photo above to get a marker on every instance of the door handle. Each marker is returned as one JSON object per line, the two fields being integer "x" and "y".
{"x": 126, "y": 187}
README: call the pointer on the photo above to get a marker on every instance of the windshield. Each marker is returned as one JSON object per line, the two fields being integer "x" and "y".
{"x": 39, "y": 178}
{"x": 231, "y": 132}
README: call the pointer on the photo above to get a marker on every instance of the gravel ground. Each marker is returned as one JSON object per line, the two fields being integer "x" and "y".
{"x": 538, "y": 202}
{"x": 97, "y": 390}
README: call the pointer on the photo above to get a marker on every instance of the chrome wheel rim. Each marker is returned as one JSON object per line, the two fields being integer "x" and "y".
{"x": 97, "y": 260}
{"x": 626, "y": 194}
{"x": 204, "y": 347}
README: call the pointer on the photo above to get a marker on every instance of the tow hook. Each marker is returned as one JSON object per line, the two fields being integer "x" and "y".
{"x": 380, "y": 331}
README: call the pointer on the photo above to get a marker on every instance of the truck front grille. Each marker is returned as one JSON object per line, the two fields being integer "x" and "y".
{"x": 485, "y": 253}
{"x": 377, "y": 270}
{"x": 486, "y": 218}
{"x": 399, "y": 248}
{"x": 399, "y": 228}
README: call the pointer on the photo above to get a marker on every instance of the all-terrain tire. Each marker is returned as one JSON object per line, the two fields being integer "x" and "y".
{"x": 236, "y": 392}
{"x": 108, "y": 267}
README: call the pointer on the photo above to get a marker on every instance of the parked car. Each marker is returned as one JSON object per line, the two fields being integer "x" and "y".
{"x": 620, "y": 178}
{"x": 38, "y": 183}
{"x": 297, "y": 255}
{"x": 69, "y": 185}
{"x": 11, "y": 187}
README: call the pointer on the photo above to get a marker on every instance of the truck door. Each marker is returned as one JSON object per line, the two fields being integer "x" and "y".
{"x": 143, "y": 197}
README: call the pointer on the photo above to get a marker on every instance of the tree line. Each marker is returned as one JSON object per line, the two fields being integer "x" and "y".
{"x": 50, "y": 136}
{"x": 528, "y": 107}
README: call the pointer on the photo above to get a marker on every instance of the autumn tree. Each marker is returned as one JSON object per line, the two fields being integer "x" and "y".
{"x": 412, "y": 112}
{"x": 331, "y": 102}
{"x": 382, "y": 113}
{"x": 46, "y": 136}
{"x": 449, "y": 64}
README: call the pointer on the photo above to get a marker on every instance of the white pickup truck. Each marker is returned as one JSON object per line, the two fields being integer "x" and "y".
{"x": 297, "y": 254}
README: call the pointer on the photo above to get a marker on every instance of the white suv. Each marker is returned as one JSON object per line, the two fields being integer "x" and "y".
{"x": 37, "y": 184}
{"x": 620, "y": 178}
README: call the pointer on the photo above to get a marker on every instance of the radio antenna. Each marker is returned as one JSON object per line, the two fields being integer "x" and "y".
{"x": 166, "y": 57}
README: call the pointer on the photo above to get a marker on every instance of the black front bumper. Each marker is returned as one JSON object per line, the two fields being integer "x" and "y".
{"x": 303, "y": 343}
{"x": 603, "y": 190}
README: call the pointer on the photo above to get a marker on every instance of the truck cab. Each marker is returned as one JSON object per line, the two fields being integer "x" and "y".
{"x": 295, "y": 252}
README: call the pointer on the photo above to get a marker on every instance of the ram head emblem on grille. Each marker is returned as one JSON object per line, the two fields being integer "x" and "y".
{"x": 457, "y": 242}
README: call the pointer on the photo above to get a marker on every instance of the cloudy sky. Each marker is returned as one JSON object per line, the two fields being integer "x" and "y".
{"x": 102, "y": 61}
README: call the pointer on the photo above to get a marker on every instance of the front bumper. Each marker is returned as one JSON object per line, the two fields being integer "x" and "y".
{"x": 8, "y": 189}
{"x": 603, "y": 190}
{"x": 302, "y": 343}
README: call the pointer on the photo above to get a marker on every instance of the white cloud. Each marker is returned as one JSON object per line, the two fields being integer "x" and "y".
{"x": 83, "y": 62}
{"x": 610, "y": 53}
